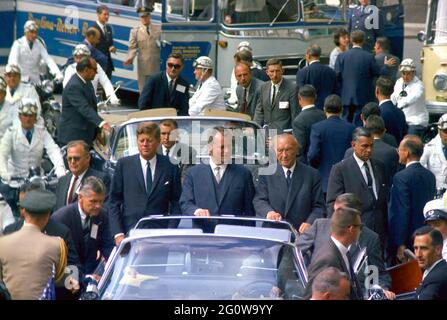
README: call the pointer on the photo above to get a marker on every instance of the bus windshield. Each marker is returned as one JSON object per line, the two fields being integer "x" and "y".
{"x": 437, "y": 23}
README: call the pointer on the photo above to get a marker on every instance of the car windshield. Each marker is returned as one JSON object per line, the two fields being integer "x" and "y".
{"x": 203, "y": 267}
{"x": 194, "y": 132}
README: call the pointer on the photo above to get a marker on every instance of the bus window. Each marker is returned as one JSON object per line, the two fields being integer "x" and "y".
{"x": 438, "y": 25}
{"x": 259, "y": 11}
{"x": 134, "y": 3}
{"x": 323, "y": 11}
{"x": 192, "y": 10}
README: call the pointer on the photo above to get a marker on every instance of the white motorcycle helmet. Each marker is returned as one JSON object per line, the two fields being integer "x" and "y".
{"x": 81, "y": 50}
{"x": 30, "y": 25}
{"x": 407, "y": 65}
{"x": 12, "y": 68}
{"x": 203, "y": 62}
{"x": 28, "y": 106}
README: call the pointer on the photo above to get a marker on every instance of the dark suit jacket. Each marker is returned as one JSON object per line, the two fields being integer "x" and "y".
{"x": 64, "y": 184}
{"x": 356, "y": 70}
{"x": 270, "y": 114}
{"x": 314, "y": 238}
{"x": 394, "y": 119}
{"x": 252, "y": 96}
{"x": 412, "y": 188}
{"x": 301, "y": 129}
{"x": 434, "y": 286}
{"x": 99, "y": 57}
{"x": 155, "y": 94}
{"x": 232, "y": 196}
{"x": 329, "y": 140}
{"x": 105, "y": 42}
{"x": 259, "y": 74}
{"x": 183, "y": 161}
{"x": 390, "y": 140}
{"x": 346, "y": 177}
{"x": 393, "y": 72}
{"x": 79, "y": 119}
{"x": 322, "y": 77}
{"x": 330, "y": 256}
{"x": 384, "y": 153}
{"x": 129, "y": 201}
{"x": 86, "y": 246}
{"x": 303, "y": 202}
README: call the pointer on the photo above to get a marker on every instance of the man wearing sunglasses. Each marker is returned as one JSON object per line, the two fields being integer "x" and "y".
{"x": 167, "y": 88}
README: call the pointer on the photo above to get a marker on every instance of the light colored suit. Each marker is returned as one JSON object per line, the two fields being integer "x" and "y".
{"x": 26, "y": 261}
{"x": 145, "y": 46}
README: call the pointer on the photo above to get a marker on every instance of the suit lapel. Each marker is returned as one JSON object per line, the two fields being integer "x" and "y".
{"x": 139, "y": 172}
{"x": 226, "y": 181}
{"x": 209, "y": 176}
{"x": 281, "y": 185}
{"x": 76, "y": 220}
{"x": 159, "y": 169}
{"x": 356, "y": 171}
{"x": 294, "y": 188}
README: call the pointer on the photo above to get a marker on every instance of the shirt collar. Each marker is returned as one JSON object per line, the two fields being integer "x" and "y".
{"x": 359, "y": 161}
{"x": 169, "y": 78}
{"x": 426, "y": 272}
{"x": 278, "y": 84}
{"x": 163, "y": 148}
{"x": 292, "y": 169}
{"x": 152, "y": 161}
{"x": 313, "y": 61}
{"x": 80, "y": 77}
{"x": 213, "y": 166}
{"x": 356, "y": 46}
{"x": 341, "y": 247}
{"x": 383, "y": 101}
{"x": 101, "y": 25}
{"x": 308, "y": 107}
{"x": 410, "y": 163}
{"x": 82, "y": 213}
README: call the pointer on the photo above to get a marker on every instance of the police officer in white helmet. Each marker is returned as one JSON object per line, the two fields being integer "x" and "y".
{"x": 209, "y": 93}
{"x": 79, "y": 52}
{"x": 435, "y": 213}
{"x": 6, "y": 109}
{"x": 28, "y": 51}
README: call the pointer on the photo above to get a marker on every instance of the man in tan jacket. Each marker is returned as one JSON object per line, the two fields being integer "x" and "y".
{"x": 143, "y": 42}
{"x": 27, "y": 256}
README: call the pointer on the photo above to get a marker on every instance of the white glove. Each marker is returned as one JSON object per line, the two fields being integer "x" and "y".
{"x": 6, "y": 177}
{"x": 115, "y": 101}
{"x": 60, "y": 172}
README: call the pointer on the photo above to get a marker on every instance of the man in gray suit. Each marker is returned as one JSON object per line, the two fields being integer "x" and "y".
{"x": 277, "y": 105}
{"x": 247, "y": 88}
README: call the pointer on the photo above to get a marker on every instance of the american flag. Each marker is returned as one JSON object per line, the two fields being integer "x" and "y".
{"x": 49, "y": 293}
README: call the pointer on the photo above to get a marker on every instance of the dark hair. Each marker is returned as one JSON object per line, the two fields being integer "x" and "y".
{"x": 93, "y": 184}
{"x": 314, "y": 51}
{"x": 150, "y": 128}
{"x": 169, "y": 123}
{"x": 244, "y": 55}
{"x": 414, "y": 145}
{"x": 384, "y": 43}
{"x": 435, "y": 235}
{"x": 307, "y": 91}
{"x": 385, "y": 86}
{"x": 357, "y": 37}
{"x": 333, "y": 104}
{"x": 81, "y": 143}
{"x": 375, "y": 124}
{"x": 360, "y": 132}
{"x": 177, "y": 56}
{"x": 86, "y": 62}
{"x": 340, "y": 33}
{"x": 101, "y": 8}
{"x": 349, "y": 200}
{"x": 328, "y": 280}
{"x": 273, "y": 61}
{"x": 343, "y": 218}
{"x": 91, "y": 32}
{"x": 369, "y": 109}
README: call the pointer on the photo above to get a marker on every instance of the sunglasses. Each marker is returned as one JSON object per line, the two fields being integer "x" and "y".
{"x": 75, "y": 159}
{"x": 175, "y": 66}
{"x": 444, "y": 130}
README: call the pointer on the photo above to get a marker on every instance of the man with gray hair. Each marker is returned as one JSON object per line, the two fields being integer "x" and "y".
{"x": 331, "y": 284}
{"x": 319, "y": 75}
{"x": 88, "y": 223}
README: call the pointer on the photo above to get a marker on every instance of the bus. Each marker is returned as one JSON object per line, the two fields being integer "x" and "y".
{"x": 274, "y": 28}
{"x": 434, "y": 57}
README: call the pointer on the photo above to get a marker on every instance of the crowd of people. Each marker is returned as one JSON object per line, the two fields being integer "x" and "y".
{"x": 339, "y": 181}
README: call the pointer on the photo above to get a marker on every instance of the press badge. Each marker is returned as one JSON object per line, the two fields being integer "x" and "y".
{"x": 94, "y": 231}
{"x": 180, "y": 88}
{"x": 284, "y": 104}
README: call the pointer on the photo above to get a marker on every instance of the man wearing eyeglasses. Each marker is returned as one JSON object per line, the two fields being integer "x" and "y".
{"x": 167, "y": 88}
{"x": 143, "y": 43}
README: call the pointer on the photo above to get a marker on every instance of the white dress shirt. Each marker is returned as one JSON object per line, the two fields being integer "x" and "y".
{"x": 344, "y": 251}
{"x": 213, "y": 166}
{"x": 360, "y": 163}
{"x": 292, "y": 169}
{"x": 83, "y": 217}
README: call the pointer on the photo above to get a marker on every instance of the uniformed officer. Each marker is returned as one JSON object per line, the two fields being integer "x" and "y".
{"x": 362, "y": 19}
{"x": 6, "y": 109}
{"x": 435, "y": 213}
{"x": 28, "y": 51}
{"x": 29, "y": 258}
{"x": 143, "y": 42}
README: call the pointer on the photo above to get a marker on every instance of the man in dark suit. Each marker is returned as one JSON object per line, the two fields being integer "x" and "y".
{"x": 314, "y": 238}
{"x": 218, "y": 188}
{"x": 356, "y": 70}
{"x": 79, "y": 119}
{"x": 320, "y": 76}
{"x": 346, "y": 226}
{"x": 329, "y": 139}
{"x": 365, "y": 177}
{"x": 381, "y": 150}
{"x": 382, "y": 50}
{"x": 247, "y": 88}
{"x": 306, "y": 118}
{"x": 167, "y": 88}
{"x": 92, "y": 37}
{"x": 293, "y": 193}
{"x": 393, "y": 117}
{"x": 78, "y": 159}
{"x": 143, "y": 184}
{"x": 180, "y": 154}
{"x": 373, "y": 108}
{"x": 89, "y": 224}
{"x": 105, "y": 44}
{"x": 362, "y": 19}
{"x": 427, "y": 248}
{"x": 277, "y": 103}
{"x": 412, "y": 188}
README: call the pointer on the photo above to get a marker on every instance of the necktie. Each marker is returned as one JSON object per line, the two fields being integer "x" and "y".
{"x": 148, "y": 178}
{"x": 86, "y": 227}
{"x": 244, "y": 102}
{"x": 289, "y": 178}
{"x": 148, "y": 31}
{"x": 167, "y": 152}
{"x": 217, "y": 174}
{"x": 71, "y": 190}
{"x": 369, "y": 179}
{"x": 31, "y": 43}
{"x": 11, "y": 90}
{"x": 274, "y": 94}
{"x": 171, "y": 86}
{"x": 444, "y": 148}
{"x": 29, "y": 136}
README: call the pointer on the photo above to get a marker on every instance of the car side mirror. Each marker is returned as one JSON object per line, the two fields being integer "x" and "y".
{"x": 421, "y": 36}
